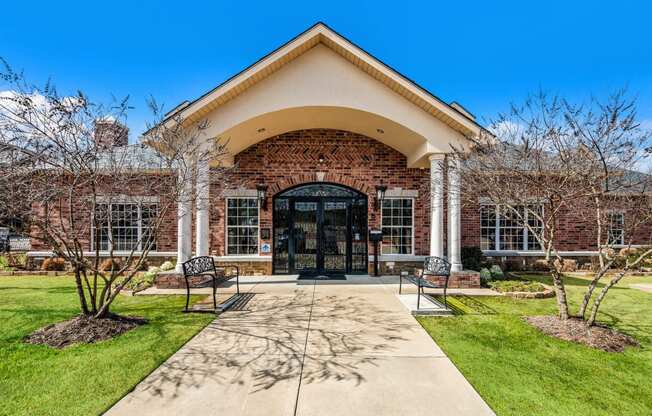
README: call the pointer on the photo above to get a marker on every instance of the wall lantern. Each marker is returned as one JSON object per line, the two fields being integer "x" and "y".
{"x": 261, "y": 193}
{"x": 380, "y": 195}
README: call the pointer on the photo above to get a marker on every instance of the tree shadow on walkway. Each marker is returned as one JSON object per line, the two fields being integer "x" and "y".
{"x": 267, "y": 343}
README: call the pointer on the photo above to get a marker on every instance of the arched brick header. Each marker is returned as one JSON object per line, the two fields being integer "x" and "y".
{"x": 328, "y": 177}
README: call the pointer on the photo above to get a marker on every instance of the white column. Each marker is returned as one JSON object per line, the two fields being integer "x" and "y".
{"x": 202, "y": 218}
{"x": 436, "y": 205}
{"x": 184, "y": 218}
{"x": 454, "y": 215}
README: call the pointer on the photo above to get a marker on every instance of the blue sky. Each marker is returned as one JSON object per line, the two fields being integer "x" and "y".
{"x": 483, "y": 54}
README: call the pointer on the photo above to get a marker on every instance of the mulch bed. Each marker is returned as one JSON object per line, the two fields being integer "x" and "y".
{"x": 83, "y": 330}
{"x": 575, "y": 330}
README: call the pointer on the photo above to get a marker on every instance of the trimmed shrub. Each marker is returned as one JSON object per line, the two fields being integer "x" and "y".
{"x": 568, "y": 265}
{"x": 54, "y": 264}
{"x": 143, "y": 266}
{"x": 153, "y": 269}
{"x": 496, "y": 272}
{"x": 138, "y": 282}
{"x": 485, "y": 277}
{"x": 513, "y": 265}
{"x": 12, "y": 261}
{"x": 472, "y": 258}
{"x": 540, "y": 266}
{"x": 4, "y": 264}
{"x": 168, "y": 265}
{"x": 111, "y": 264}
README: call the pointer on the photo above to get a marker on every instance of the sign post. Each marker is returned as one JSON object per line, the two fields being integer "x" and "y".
{"x": 376, "y": 236}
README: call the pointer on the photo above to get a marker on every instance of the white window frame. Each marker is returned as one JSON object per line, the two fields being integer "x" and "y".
{"x": 110, "y": 226}
{"x": 496, "y": 226}
{"x": 622, "y": 241}
{"x": 497, "y": 229}
{"x": 226, "y": 227}
{"x": 411, "y": 253}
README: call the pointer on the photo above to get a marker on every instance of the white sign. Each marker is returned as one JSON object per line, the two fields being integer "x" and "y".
{"x": 265, "y": 248}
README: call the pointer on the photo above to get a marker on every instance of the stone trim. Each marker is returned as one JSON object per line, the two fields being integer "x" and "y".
{"x": 483, "y": 200}
{"x": 240, "y": 193}
{"x": 128, "y": 199}
{"x": 397, "y": 257}
{"x": 401, "y": 193}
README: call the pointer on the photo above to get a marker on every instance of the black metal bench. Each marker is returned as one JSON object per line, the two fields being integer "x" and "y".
{"x": 205, "y": 266}
{"x": 432, "y": 266}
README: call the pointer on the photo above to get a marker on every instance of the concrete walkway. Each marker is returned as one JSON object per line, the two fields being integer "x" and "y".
{"x": 645, "y": 287}
{"x": 309, "y": 348}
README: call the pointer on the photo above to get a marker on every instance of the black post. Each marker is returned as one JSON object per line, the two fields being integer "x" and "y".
{"x": 376, "y": 236}
{"x": 376, "y": 258}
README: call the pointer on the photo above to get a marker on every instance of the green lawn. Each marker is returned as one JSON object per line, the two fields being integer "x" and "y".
{"x": 520, "y": 371}
{"x": 85, "y": 379}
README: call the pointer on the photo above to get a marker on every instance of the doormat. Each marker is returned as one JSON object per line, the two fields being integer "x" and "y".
{"x": 322, "y": 277}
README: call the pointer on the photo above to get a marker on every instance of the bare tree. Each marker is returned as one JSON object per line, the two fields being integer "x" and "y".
{"x": 548, "y": 159}
{"x": 54, "y": 166}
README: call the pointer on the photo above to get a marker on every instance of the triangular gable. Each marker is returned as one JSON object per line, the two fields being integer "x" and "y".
{"x": 320, "y": 33}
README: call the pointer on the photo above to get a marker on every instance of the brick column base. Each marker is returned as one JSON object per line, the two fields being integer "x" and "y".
{"x": 466, "y": 279}
{"x": 175, "y": 280}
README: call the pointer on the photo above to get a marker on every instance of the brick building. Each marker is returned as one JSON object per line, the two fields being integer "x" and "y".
{"x": 327, "y": 143}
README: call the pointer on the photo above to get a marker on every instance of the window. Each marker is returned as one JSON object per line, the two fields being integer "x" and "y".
{"x": 130, "y": 226}
{"x": 616, "y": 228}
{"x": 501, "y": 227}
{"x": 397, "y": 223}
{"x": 242, "y": 226}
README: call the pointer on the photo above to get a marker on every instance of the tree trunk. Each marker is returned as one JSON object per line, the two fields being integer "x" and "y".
{"x": 80, "y": 292}
{"x": 560, "y": 292}
{"x": 589, "y": 291}
{"x": 601, "y": 296}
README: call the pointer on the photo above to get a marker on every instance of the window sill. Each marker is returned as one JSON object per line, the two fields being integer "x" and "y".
{"x": 107, "y": 253}
{"x": 398, "y": 257}
{"x": 235, "y": 257}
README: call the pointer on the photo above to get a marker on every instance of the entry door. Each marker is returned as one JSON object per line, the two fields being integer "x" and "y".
{"x": 334, "y": 237}
{"x": 320, "y": 234}
{"x": 320, "y": 242}
{"x": 304, "y": 247}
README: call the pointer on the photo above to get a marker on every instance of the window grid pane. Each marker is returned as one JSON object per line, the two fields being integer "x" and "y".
{"x": 536, "y": 226}
{"x": 507, "y": 223}
{"x": 511, "y": 232}
{"x": 616, "y": 228}
{"x": 488, "y": 227}
{"x": 130, "y": 226}
{"x": 242, "y": 226}
{"x": 396, "y": 220}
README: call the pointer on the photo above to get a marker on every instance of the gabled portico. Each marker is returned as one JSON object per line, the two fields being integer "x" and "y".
{"x": 320, "y": 80}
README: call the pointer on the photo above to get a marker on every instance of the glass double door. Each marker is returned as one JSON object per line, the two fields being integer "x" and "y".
{"x": 319, "y": 235}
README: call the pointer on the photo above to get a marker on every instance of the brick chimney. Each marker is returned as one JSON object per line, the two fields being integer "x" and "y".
{"x": 110, "y": 133}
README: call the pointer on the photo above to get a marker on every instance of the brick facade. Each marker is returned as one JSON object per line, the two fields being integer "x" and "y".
{"x": 575, "y": 232}
{"x": 349, "y": 159}
{"x": 166, "y": 239}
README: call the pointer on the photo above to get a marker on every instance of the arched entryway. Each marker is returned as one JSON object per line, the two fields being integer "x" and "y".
{"x": 320, "y": 228}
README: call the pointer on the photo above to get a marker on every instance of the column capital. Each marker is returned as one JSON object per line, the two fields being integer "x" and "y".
{"x": 436, "y": 156}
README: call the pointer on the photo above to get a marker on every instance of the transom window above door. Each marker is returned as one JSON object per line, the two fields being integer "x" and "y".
{"x": 242, "y": 217}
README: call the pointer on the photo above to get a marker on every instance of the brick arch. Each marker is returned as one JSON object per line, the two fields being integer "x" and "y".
{"x": 328, "y": 177}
